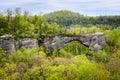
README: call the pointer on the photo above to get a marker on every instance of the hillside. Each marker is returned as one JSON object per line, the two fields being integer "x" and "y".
{"x": 68, "y": 18}
{"x": 63, "y": 18}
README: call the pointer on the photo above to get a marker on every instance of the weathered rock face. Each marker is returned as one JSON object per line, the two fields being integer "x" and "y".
{"x": 118, "y": 27}
{"x": 98, "y": 42}
{"x": 9, "y": 44}
{"x": 94, "y": 41}
{"x": 28, "y": 43}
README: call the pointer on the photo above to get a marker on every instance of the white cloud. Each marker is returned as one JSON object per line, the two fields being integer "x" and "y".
{"x": 57, "y": 2}
{"x": 49, "y": 5}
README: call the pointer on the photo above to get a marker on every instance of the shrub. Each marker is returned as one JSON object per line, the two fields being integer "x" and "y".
{"x": 101, "y": 56}
{"x": 92, "y": 72}
{"x": 114, "y": 67}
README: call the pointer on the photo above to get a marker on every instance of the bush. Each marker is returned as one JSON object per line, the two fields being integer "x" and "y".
{"x": 3, "y": 58}
{"x": 101, "y": 56}
{"x": 35, "y": 73}
{"x": 113, "y": 38}
{"x": 76, "y": 48}
{"x": 92, "y": 72}
{"x": 114, "y": 67}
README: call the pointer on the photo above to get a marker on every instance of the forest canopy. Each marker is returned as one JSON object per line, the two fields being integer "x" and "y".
{"x": 67, "y": 18}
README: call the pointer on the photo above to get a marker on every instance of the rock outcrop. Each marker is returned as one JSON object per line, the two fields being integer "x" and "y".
{"x": 9, "y": 44}
{"x": 94, "y": 41}
{"x": 28, "y": 43}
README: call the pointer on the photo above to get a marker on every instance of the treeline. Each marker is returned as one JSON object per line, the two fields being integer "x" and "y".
{"x": 26, "y": 25}
{"x": 38, "y": 26}
{"x": 67, "y": 18}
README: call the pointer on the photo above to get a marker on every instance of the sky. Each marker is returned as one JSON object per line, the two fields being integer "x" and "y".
{"x": 85, "y": 7}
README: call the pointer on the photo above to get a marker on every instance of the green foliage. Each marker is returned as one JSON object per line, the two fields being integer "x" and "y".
{"x": 114, "y": 38}
{"x": 101, "y": 56}
{"x": 35, "y": 73}
{"x": 3, "y": 26}
{"x": 3, "y": 59}
{"x": 92, "y": 72}
{"x": 117, "y": 54}
{"x": 63, "y": 53}
{"x": 72, "y": 62}
{"x": 23, "y": 55}
{"x": 71, "y": 71}
{"x": 26, "y": 25}
{"x": 76, "y": 48}
{"x": 63, "y": 18}
{"x": 114, "y": 67}
{"x": 55, "y": 53}
{"x": 68, "y": 18}
{"x": 27, "y": 64}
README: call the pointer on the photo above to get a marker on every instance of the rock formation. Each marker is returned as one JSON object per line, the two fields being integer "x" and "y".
{"x": 94, "y": 41}
{"x": 9, "y": 44}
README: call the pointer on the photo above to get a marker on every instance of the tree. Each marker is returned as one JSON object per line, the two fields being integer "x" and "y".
{"x": 9, "y": 15}
{"x": 25, "y": 14}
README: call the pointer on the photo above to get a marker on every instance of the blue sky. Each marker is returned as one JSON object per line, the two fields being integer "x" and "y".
{"x": 86, "y": 7}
